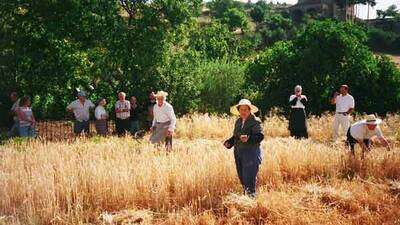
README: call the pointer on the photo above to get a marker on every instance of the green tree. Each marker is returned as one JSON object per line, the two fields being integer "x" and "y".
{"x": 221, "y": 85}
{"x": 259, "y": 11}
{"x": 275, "y": 28}
{"x": 321, "y": 58}
{"x": 219, "y": 7}
{"x": 235, "y": 19}
{"x": 392, "y": 11}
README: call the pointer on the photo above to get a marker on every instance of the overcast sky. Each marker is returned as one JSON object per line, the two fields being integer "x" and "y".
{"x": 361, "y": 9}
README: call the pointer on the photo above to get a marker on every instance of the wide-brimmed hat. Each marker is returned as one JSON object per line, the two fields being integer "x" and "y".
{"x": 161, "y": 94}
{"x": 372, "y": 120}
{"x": 235, "y": 110}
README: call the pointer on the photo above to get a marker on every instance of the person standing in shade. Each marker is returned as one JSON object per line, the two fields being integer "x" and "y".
{"x": 134, "y": 117}
{"x": 298, "y": 119}
{"x": 150, "y": 106}
{"x": 13, "y": 117}
{"x": 246, "y": 139}
{"x": 164, "y": 121}
{"x": 25, "y": 118}
{"x": 122, "y": 114}
{"x": 81, "y": 109}
{"x": 344, "y": 107}
{"x": 362, "y": 132}
{"x": 101, "y": 118}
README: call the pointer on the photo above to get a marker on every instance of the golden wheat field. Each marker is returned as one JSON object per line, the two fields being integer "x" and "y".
{"x": 123, "y": 181}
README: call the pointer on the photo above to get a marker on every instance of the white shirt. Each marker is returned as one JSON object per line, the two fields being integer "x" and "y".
{"x": 28, "y": 114}
{"x": 344, "y": 103}
{"x": 100, "y": 112}
{"x": 360, "y": 131}
{"x": 123, "y": 105}
{"x": 81, "y": 111}
{"x": 298, "y": 105}
{"x": 164, "y": 114}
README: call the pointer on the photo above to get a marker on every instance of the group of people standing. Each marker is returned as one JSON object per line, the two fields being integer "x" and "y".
{"x": 248, "y": 131}
{"x": 360, "y": 132}
{"x": 161, "y": 117}
{"x": 247, "y": 134}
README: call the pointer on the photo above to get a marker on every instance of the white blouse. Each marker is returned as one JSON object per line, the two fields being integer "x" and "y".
{"x": 100, "y": 112}
{"x": 298, "y": 105}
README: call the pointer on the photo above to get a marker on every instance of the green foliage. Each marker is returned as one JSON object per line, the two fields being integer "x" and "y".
{"x": 214, "y": 41}
{"x": 221, "y": 85}
{"x": 382, "y": 40}
{"x": 392, "y": 12}
{"x": 321, "y": 58}
{"x": 220, "y": 7}
{"x": 235, "y": 19}
{"x": 275, "y": 28}
{"x": 259, "y": 11}
{"x": 48, "y": 49}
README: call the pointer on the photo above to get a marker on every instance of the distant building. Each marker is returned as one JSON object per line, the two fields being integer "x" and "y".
{"x": 325, "y": 8}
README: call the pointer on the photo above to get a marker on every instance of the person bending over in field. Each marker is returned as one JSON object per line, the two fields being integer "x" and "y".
{"x": 246, "y": 139}
{"x": 81, "y": 109}
{"x": 164, "y": 121}
{"x": 362, "y": 132}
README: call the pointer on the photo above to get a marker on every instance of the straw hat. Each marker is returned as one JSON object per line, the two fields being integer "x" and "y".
{"x": 161, "y": 94}
{"x": 372, "y": 120}
{"x": 235, "y": 110}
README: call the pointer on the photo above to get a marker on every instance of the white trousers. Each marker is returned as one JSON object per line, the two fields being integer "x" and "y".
{"x": 341, "y": 121}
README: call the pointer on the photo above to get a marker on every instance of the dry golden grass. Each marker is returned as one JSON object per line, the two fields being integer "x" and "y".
{"x": 122, "y": 181}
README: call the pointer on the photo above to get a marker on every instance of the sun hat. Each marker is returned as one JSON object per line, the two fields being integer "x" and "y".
{"x": 372, "y": 120}
{"x": 235, "y": 111}
{"x": 161, "y": 94}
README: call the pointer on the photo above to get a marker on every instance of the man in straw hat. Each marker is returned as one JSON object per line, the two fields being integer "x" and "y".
{"x": 344, "y": 103}
{"x": 362, "y": 132}
{"x": 81, "y": 109}
{"x": 246, "y": 139}
{"x": 164, "y": 121}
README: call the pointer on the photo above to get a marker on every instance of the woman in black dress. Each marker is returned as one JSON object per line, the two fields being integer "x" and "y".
{"x": 297, "y": 121}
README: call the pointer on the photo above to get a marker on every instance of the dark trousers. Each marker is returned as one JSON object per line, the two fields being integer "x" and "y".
{"x": 351, "y": 141}
{"x": 298, "y": 123}
{"x": 122, "y": 126}
{"x": 247, "y": 166}
{"x": 81, "y": 126}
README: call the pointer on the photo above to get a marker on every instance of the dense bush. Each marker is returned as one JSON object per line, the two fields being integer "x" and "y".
{"x": 49, "y": 49}
{"x": 324, "y": 56}
{"x": 235, "y": 19}
{"x": 221, "y": 85}
{"x": 381, "y": 40}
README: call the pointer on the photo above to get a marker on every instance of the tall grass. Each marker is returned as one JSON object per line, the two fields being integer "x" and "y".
{"x": 122, "y": 181}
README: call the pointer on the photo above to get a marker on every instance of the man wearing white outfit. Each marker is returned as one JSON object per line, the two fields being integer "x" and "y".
{"x": 344, "y": 107}
{"x": 362, "y": 132}
{"x": 164, "y": 121}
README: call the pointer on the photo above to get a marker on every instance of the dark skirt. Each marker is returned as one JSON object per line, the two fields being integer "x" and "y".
{"x": 101, "y": 127}
{"x": 298, "y": 123}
